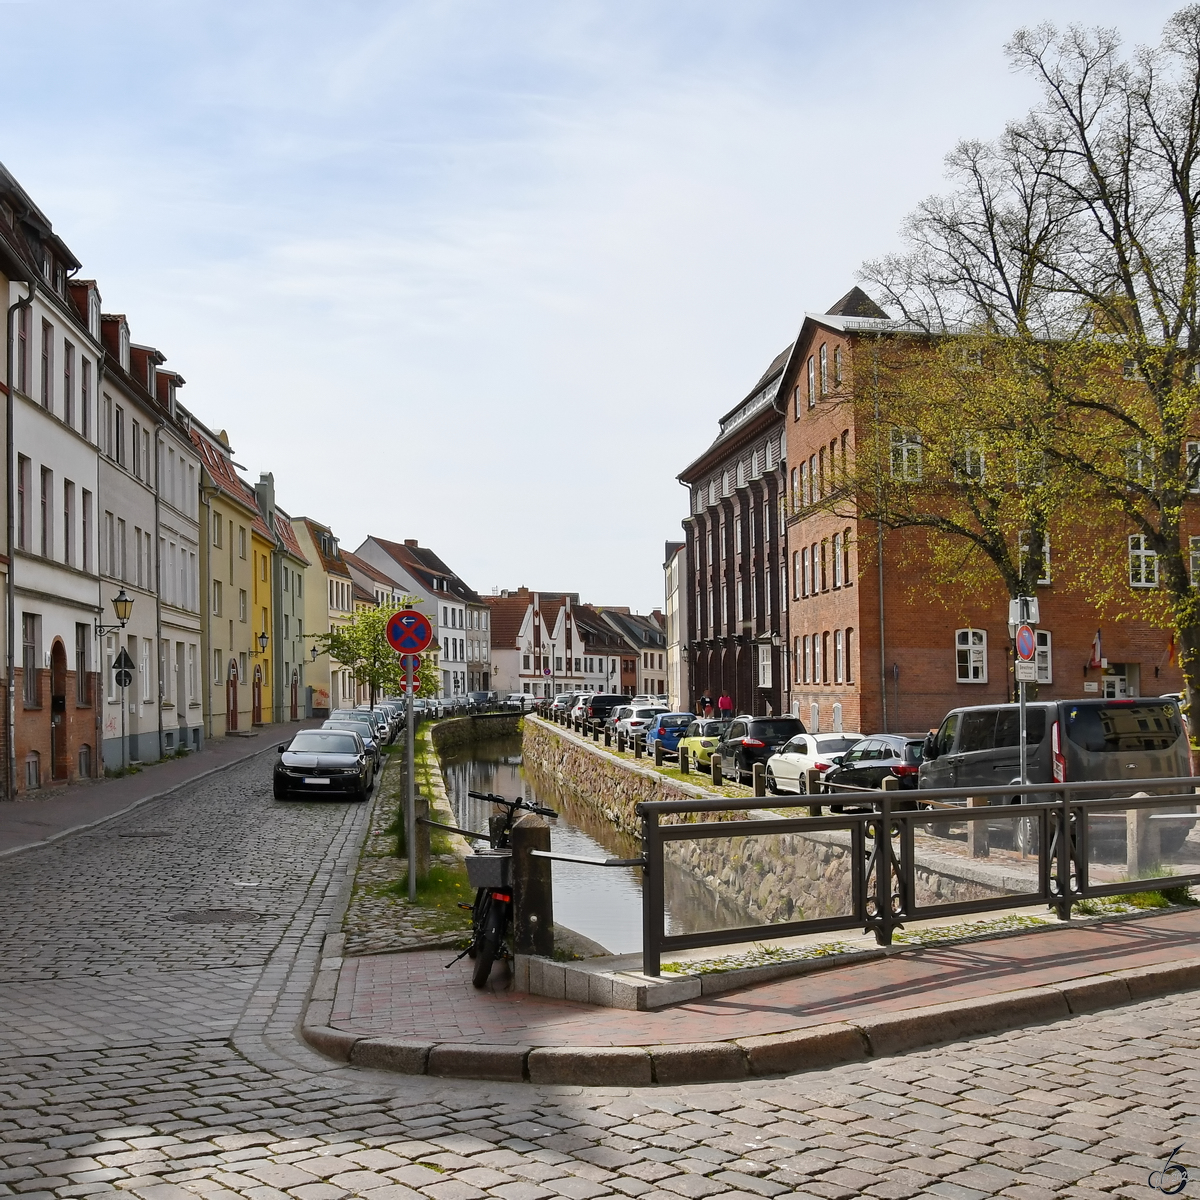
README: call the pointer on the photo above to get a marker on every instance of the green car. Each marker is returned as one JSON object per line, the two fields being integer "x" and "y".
{"x": 701, "y": 738}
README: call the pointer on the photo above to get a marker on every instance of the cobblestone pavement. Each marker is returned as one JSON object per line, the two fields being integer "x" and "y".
{"x": 158, "y": 1057}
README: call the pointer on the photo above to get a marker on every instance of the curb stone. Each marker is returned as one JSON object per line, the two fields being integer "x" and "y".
{"x": 814, "y": 1048}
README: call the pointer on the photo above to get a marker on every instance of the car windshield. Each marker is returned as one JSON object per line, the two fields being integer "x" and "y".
{"x": 714, "y": 728}
{"x": 365, "y": 731}
{"x": 777, "y": 731}
{"x": 1116, "y": 728}
{"x": 835, "y": 745}
{"x": 680, "y": 722}
{"x": 914, "y": 751}
{"x": 646, "y": 714}
{"x": 316, "y": 741}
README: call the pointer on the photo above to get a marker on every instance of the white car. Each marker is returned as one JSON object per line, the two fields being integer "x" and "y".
{"x": 520, "y": 700}
{"x": 805, "y": 752}
{"x": 580, "y": 708}
{"x": 639, "y": 717}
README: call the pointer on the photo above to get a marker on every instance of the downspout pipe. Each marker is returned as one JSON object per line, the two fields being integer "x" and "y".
{"x": 879, "y": 535}
{"x": 206, "y": 498}
{"x": 10, "y": 791}
{"x": 162, "y": 658}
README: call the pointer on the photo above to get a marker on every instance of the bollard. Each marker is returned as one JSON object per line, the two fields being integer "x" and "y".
{"x": 607, "y": 736}
{"x": 717, "y": 777}
{"x": 685, "y": 767}
{"x": 1143, "y": 850}
{"x": 620, "y": 741}
{"x": 977, "y": 831}
{"x": 637, "y": 746}
{"x": 533, "y": 895}
{"x": 421, "y": 810}
{"x": 812, "y": 785}
{"x": 759, "y": 775}
{"x": 595, "y": 732}
{"x": 658, "y": 753}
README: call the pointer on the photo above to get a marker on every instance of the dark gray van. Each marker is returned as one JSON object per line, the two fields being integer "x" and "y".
{"x": 1104, "y": 740}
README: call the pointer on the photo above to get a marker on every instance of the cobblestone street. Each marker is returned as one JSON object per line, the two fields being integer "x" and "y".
{"x": 153, "y": 970}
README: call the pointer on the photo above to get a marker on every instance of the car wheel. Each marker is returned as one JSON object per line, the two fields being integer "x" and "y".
{"x": 772, "y": 786}
{"x": 279, "y": 790}
{"x": 740, "y": 767}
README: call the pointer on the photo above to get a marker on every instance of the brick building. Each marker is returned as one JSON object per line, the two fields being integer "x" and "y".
{"x": 736, "y": 606}
{"x": 872, "y": 648}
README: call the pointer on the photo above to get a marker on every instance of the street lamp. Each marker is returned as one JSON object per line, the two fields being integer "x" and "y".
{"x": 314, "y": 654}
{"x": 263, "y": 639}
{"x": 122, "y": 606}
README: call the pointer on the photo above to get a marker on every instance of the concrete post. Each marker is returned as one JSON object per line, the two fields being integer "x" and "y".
{"x": 812, "y": 785}
{"x": 637, "y": 746}
{"x": 421, "y": 811}
{"x": 978, "y": 845}
{"x": 620, "y": 741}
{"x": 533, "y": 893}
{"x": 1143, "y": 848}
{"x": 607, "y": 736}
{"x": 760, "y": 779}
{"x": 595, "y": 732}
{"x": 685, "y": 766}
{"x": 658, "y": 752}
{"x": 717, "y": 777}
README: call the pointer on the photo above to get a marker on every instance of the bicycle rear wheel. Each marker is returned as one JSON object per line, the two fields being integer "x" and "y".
{"x": 488, "y": 943}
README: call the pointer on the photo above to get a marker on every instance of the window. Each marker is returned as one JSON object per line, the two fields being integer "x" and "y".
{"x": 241, "y": 541}
{"x": 796, "y": 401}
{"x": 971, "y": 655}
{"x": 216, "y": 600}
{"x": 847, "y": 578}
{"x": 825, "y": 657}
{"x": 1139, "y": 464}
{"x": 147, "y": 649}
{"x": 824, "y": 357}
{"x": 122, "y": 561}
{"x": 83, "y": 666}
{"x": 1143, "y": 562}
{"x": 47, "y": 513}
{"x": 906, "y": 454}
{"x": 1042, "y": 657}
{"x": 824, "y": 564}
{"x": 47, "y": 379}
{"x": 800, "y": 558}
{"x": 23, "y": 319}
{"x": 837, "y": 366}
{"x": 68, "y": 382}
{"x": 30, "y": 653}
{"x": 813, "y": 492}
{"x": 68, "y": 523}
{"x": 136, "y": 438}
{"x": 812, "y": 381}
{"x": 1023, "y": 546}
{"x": 1192, "y": 459}
{"x": 109, "y": 546}
{"x": 813, "y": 580}
{"x": 739, "y": 589}
{"x": 820, "y": 479}
{"x": 262, "y": 568}
{"x": 24, "y": 483}
{"x": 816, "y": 663}
{"x": 218, "y": 673}
{"x": 193, "y": 688}
{"x": 241, "y": 604}
{"x": 85, "y": 532}
{"x": 837, "y": 560}
{"x": 85, "y": 398}
{"x": 1194, "y": 561}
{"x": 146, "y": 457}
{"x": 849, "y": 638}
{"x": 839, "y": 656}
{"x": 119, "y": 434}
{"x": 969, "y": 460}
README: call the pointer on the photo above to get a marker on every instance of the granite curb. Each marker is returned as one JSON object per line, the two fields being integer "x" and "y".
{"x": 812, "y": 1048}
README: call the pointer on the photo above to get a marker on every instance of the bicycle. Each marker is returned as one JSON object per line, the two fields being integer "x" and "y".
{"x": 492, "y": 910}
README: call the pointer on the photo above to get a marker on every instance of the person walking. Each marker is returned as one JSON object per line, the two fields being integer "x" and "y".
{"x": 725, "y": 706}
{"x": 706, "y": 705}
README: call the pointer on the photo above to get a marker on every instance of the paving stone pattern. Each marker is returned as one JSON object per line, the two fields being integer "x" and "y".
{"x": 1085, "y": 1107}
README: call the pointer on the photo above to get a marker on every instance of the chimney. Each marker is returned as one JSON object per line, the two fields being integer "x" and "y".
{"x": 411, "y": 542}
{"x": 265, "y": 490}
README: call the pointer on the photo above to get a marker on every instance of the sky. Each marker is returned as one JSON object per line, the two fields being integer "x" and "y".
{"x": 487, "y": 275}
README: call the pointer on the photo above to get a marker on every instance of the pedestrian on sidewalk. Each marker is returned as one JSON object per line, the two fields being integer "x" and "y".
{"x": 725, "y": 706}
{"x": 706, "y": 705}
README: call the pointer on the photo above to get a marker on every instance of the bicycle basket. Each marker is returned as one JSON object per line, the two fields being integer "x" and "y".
{"x": 490, "y": 868}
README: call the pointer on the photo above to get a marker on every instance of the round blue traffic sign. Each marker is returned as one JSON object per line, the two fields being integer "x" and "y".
{"x": 409, "y": 632}
{"x": 1026, "y": 644}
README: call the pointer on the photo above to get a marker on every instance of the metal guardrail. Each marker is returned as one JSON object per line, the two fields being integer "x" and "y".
{"x": 883, "y": 893}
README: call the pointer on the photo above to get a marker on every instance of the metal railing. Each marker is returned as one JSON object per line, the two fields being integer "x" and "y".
{"x": 883, "y": 863}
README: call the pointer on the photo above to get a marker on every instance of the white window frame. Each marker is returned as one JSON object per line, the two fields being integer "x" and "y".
{"x": 1023, "y": 550}
{"x": 1044, "y": 656}
{"x": 970, "y": 655}
{"x": 1143, "y": 563}
{"x": 906, "y": 455}
{"x": 1191, "y": 453}
{"x": 1194, "y": 560}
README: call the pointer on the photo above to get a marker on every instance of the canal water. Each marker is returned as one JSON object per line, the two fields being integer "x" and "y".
{"x": 602, "y": 903}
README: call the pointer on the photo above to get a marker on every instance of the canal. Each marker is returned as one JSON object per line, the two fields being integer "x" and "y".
{"x": 602, "y": 903}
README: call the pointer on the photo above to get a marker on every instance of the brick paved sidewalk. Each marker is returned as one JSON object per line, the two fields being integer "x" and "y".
{"x": 28, "y": 822}
{"x": 412, "y": 996}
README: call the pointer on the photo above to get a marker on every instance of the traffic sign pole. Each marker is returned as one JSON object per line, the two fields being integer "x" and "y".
{"x": 1026, "y": 642}
{"x": 410, "y": 801}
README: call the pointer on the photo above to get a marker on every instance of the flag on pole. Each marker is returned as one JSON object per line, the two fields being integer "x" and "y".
{"x": 1096, "y": 653}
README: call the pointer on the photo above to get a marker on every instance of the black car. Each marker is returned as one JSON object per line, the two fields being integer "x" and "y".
{"x": 320, "y": 762}
{"x": 368, "y": 732}
{"x": 600, "y": 706}
{"x": 750, "y": 740}
{"x": 868, "y": 762}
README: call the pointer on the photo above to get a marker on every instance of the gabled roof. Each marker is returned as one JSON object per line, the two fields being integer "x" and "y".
{"x": 638, "y": 630}
{"x": 424, "y": 565}
{"x": 856, "y": 303}
{"x": 226, "y": 480}
{"x": 327, "y": 562}
{"x": 287, "y": 536}
{"x": 364, "y": 568}
{"x": 508, "y": 615}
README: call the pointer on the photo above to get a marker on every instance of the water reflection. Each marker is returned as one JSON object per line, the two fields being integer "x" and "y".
{"x": 602, "y": 903}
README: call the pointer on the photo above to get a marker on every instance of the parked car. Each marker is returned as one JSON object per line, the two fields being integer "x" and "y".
{"x": 667, "y": 728}
{"x": 323, "y": 762}
{"x": 367, "y": 732}
{"x": 750, "y": 740}
{"x": 1106, "y": 740}
{"x": 787, "y": 770}
{"x": 521, "y": 701}
{"x": 869, "y": 761}
{"x": 616, "y": 714}
{"x": 563, "y": 702}
{"x": 639, "y": 718}
{"x": 601, "y": 705}
{"x": 580, "y": 707}
{"x": 701, "y": 738}
{"x": 643, "y": 699}
{"x": 381, "y": 718}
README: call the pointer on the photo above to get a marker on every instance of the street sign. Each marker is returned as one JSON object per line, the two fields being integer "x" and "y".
{"x": 545, "y": 670}
{"x": 123, "y": 678}
{"x": 409, "y": 632}
{"x": 1023, "y": 610}
{"x": 1026, "y": 672}
{"x": 410, "y": 662}
{"x": 1026, "y": 644}
{"x": 123, "y": 668}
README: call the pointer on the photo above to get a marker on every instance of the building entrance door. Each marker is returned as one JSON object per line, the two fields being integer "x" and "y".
{"x": 59, "y": 761}
{"x": 295, "y": 695}
{"x": 256, "y": 697}
{"x": 231, "y": 698}
{"x": 1116, "y": 687}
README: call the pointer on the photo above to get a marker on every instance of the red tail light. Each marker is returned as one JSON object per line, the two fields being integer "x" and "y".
{"x": 904, "y": 769}
{"x": 1060, "y": 763}
{"x": 753, "y": 742}
{"x": 502, "y": 896}
{"x": 821, "y": 766}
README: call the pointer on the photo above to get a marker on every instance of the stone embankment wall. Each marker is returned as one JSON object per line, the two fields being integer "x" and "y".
{"x": 778, "y": 877}
{"x": 462, "y": 731}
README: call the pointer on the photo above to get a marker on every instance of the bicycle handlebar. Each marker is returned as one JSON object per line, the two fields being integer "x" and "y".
{"x": 540, "y": 809}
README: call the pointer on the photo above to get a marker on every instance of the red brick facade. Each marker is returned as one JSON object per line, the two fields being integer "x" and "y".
{"x": 56, "y": 736}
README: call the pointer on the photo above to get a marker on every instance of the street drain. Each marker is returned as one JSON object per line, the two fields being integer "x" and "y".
{"x": 216, "y": 916}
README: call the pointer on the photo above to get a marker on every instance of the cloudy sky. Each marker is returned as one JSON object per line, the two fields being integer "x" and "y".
{"x": 486, "y": 274}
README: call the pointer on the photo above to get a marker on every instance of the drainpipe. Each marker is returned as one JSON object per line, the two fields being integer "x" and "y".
{"x": 101, "y": 359}
{"x": 879, "y": 536}
{"x": 10, "y": 663}
{"x": 206, "y": 499}
{"x": 158, "y": 584}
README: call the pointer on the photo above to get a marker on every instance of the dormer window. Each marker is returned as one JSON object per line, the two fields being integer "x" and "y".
{"x": 123, "y": 345}
{"x": 47, "y": 267}
{"x": 150, "y": 373}
{"x": 94, "y": 313}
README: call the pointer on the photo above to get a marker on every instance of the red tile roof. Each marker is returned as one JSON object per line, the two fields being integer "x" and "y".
{"x": 227, "y": 481}
{"x": 329, "y": 564}
{"x": 287, "y": 536}
{"x": 508, "y": 615}
{"x": 363, "y": 567}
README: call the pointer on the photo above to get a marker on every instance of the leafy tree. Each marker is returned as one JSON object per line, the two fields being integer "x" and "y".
{"x": 361, "y": 645}
{"x": 1067, "y": 247}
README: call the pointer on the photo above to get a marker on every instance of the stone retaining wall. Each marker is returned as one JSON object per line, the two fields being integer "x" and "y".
{"x": 777, "y": 877}
{"x": 462, "y": 731}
